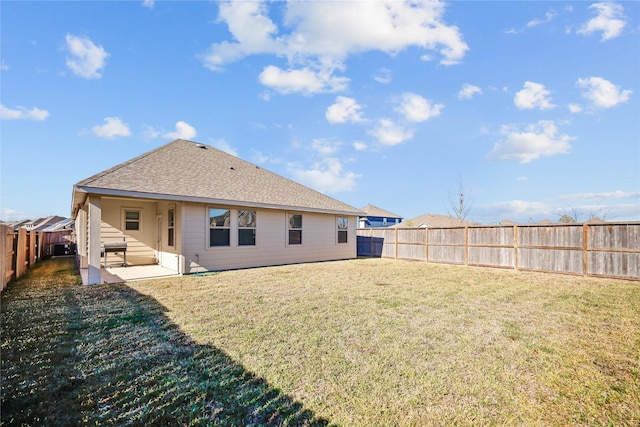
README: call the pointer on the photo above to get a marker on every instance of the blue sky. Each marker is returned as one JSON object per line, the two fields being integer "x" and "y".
{"x": 533, "y": 106}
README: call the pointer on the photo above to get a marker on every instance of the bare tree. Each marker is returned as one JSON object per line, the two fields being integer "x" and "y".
{"x": 460, "y": 203}
{"x": 569, "y": 216}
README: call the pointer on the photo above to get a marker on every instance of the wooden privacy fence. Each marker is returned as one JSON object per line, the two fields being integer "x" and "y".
{"x": 603, "y": 250}
{"x": 20, "y": 249}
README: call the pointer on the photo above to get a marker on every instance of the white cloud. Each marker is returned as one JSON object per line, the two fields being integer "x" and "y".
{"x": 3, "y": 66}
{"x": 344, "y": 110}
{"x": 183, "y": 131}
{"x": 574, "y": 108}
{"x": 360, "y": 146}
{"x": 520, "y": 208}
{"x": 602, "y": 92}
{"x": 383, "y": 76}
{"x": 251, "y": 27}
{"x": 151, "y": 133}
{"x": 323, "y": 34}
{"x": 327, "y": 176}
{"x": 600, "y": 196}
{"x": 148, "y": 3}
{"x": 304, "y": 81}
{"x": 524, "y": 211}
{"x": 223, "y": 145}
{"x": 609, "y": 19}
{"x": 9, "y": 215}
{"x": 468, "y": 91}
{"x": 87, "y": 60}
{"x": 113, "y": 127}
{"x": 389, "y": 133}
{"x": 533, "y": 95}
{"x": 417, "y": 109}
{"x": 22, "y": 113}
{"x": 259, "y": 157}
{"x": 324, "y": 147}
{"x": 536, "y": 141}
{"x": 548, "y": 17}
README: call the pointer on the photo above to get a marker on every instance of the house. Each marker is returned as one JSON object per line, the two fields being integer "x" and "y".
{"x": 63, "y": 224}
{"x": 192, "y": 208}
{"x": 376, "y": 217}
{"x": 433, "y": 221}
{"x": 43, "y": 223}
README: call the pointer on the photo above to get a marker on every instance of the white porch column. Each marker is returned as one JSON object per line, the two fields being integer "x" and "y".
{"x": 93, "y": 244}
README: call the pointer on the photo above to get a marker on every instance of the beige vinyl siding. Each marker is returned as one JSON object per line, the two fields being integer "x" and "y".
{"x": 319, "y": 241}
{"x": 140, "y": 244}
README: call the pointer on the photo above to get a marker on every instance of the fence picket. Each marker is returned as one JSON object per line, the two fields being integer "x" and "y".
{"x": 603, "y": 250}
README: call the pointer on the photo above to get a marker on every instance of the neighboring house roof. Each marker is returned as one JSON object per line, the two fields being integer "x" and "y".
{"x": 371, "y": 210}
{"x": 17, "y": 224}
{"x": 42, "y": 223}
{"x": 190, "y": 171}
{"x": 64, "y": 224}
{"x": 430, "y": 221}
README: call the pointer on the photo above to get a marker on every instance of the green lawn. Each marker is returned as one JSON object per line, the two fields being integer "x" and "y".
{"x": 361, "y": 342}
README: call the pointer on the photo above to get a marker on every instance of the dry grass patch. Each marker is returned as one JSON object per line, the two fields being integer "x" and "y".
{"x": 361, "y": 342}
{"x": 107, "y": 355}
{"x": 382, "y": 342}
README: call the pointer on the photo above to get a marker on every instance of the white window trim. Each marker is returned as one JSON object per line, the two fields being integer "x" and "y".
{"x": 238, "y": 228}
{"x": 338, "y": 229}
{"x": 288, "y": 228}
{"x": 169, "y": 226}
{"x": 232, "y": 225}
{"x": 123, "y": 217}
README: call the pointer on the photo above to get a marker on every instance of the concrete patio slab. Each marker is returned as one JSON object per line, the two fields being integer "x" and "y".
{"x": 128, "y": 274}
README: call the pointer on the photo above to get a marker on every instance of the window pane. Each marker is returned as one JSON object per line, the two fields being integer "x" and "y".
{"x": 295, "y": 237}
{"x": 342, "y": 237}
{"x": 247, "y": 237}
{"x": 343, "y": 222}
{"x": 219, "y": 237}
{"x": 295, "y": 221}
{"x": 170, "y": 237}
{"x": 219, "y": 217}
{"x": 246, "y": 218}
{"x": 132, "y": 215}
{"x": 132, "y": 225}
{"x": 171, "y": 218}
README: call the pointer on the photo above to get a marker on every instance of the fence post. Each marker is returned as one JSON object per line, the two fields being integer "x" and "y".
{"x": 21, "y": 252}
{"x": 515, "y": 247}
{"x": 32, "y": 247}
{"x": 6, "y": 249}
{"x": 466, "y": 245}
{"x": 585, "y": 249}
{"x": 396, "y": 243}
{"x": 371, "y": 242}
{"x": 426, "y": 244}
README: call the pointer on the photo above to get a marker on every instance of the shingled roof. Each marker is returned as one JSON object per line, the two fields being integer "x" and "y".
{"x": 371, "y": 210}
{"x": 432, "y": 221}
{"x": 190, "y": 171}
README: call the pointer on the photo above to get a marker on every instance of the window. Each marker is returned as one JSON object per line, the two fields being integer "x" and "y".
{"x": 171, "y": 227}
{"x": 295, "y": 229}
{"x": 246, "y": 228}
{"x": 343, "y": 226}
{"x": 132, "y": 220}
{"x": 219, "y": 227}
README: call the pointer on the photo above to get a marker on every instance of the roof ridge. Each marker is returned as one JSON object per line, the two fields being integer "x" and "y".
{"x": 106, "y": 172}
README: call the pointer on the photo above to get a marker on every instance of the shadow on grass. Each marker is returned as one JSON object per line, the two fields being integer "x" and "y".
{"x": 109, "y": 355}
